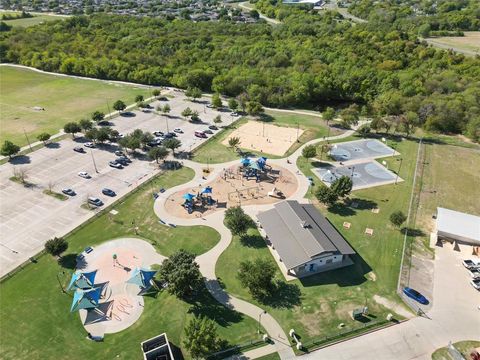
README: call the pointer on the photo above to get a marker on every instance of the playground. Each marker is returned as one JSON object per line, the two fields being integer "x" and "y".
{"x": 245, "y": 184}
{"x": 109, "y": 282}
{"x": 265, "y": 138}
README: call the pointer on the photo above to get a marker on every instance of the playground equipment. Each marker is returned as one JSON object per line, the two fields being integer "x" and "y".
{"x": 249, "y": 193}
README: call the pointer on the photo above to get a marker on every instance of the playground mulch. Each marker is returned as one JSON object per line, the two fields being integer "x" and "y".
{"x": 232, "y": 189}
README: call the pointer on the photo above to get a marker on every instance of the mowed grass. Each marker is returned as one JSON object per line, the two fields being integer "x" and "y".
{"x": 465, "y": 347}
{"x": 326, "y": 299}
{"x": 470, "y": 42}
{"x": 451, "y": 179}
{"x": 63, "y": 98}
{"x": 35, "y": 318}
{"x": 314, "y": 127}
{"x": 35, "y": 20}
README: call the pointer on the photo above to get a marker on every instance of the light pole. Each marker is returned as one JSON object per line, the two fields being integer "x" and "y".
{"x": 260, "y": 319}
{"x": 353, "y": 171}
{"x": 93, "y": 160}
{"x": 298, "y": 129}
{"x": 398, "y": 172}
{"x": 60, "y": 283}
{"x": 28, "y": 141}
{"x": 166, "y": 120}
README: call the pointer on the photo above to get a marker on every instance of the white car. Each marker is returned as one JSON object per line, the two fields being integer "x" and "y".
{"x": 84, "y": 175}
{"x": 471, "y": 263}
{"x": 178, "y": 130}
{"x": 210, "y": 106}
{"x": 474, "y": 273}
{"x": 475, "y": 283}
{"x": 234, "y": 114}
{"x": 89, "y": 145}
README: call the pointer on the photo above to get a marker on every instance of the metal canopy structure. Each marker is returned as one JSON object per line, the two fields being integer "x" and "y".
{"x": 86, "y": 299}
{"x": 82, "y": 280}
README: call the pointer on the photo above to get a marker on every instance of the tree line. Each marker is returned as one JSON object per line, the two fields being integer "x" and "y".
{"x": 310, "y": 60}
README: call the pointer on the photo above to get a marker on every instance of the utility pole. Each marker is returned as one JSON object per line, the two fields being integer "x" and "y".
{"x": 93, "y": 160}
{"x": 28, "y": 141}
{"x": 298, "y": 129}
{"x": 108, "y": 107}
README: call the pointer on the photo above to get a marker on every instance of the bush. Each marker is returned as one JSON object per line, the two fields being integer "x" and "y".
{"x": 56, "y": 246}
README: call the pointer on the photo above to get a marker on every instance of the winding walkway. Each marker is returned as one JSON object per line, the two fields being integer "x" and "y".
{"x": 208, "y": 260}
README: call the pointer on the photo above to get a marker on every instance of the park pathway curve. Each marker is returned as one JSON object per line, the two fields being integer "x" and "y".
{"x": 208, "y": 260}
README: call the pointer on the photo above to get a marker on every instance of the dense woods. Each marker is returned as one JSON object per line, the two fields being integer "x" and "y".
{"x": 310, "y": 60}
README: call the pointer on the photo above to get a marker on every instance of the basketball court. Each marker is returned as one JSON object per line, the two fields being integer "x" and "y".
{"x": 360, "y": 149}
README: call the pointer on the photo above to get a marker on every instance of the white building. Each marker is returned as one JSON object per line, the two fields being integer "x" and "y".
{"x": 457, "y": 226}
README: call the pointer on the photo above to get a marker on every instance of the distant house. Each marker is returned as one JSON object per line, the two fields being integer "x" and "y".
{"x": 306, "y": 242}
{"x": 315, "y": 3}
{"x": 457, "y": 226}
{"x": 157, "y": 347}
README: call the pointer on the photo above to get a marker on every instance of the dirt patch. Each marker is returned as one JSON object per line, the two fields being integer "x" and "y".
{"x": 371, "y": 276}
{"x": 312, "y": 321}
{"x": 232, "y": 189}
{"x": 393, "y": 306}
{"x": 266, "y": 138}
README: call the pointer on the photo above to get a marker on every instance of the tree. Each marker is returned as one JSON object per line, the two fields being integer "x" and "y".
{"x": 166, "y": 109}
{"x": 234, "y": 142}
{"x": 194, "y": 93}
{"x": 172, "y": 144}
{"x": 350, "y": 115}
{"x": 158, "y": 153}
{"x": 72, "y": 128}
{"x": 156, "y": 92}
{"x": 104, "y": 134}
{"x": 233, "y": 104}
{"x": 342, "y": 186}
{"x": 114, "y": 136}
{"x": 145, "y": 138}
{"x": 309, "y": 151}
{"x": 92, "y": 134}
{"x": 186, "y": 112}
{"x": 254, "y": 108}
{"x": 194, "y": 116}
{"x": 257, "y": 276}
{"x": 237, "y": 221}
{"x": 364, "y": 130}
{"x": 181, "y": 273}
{"x": 254, "y": 14}
{"x": 326, "y": 196}
{"x": 56, "y": 246}
{"x": 329, "y": 114}
{"x": 85, "y": 124}
{"x": 139, "y": 99}
{"x": 216, "y": 101}
{"x": 242, "y": 100}
{"x": 397, "y": 218}
{"x": 217, "y": 119}
{"x": 201, "y": 337}
{"x": 98, "y": 116}
{"x": 44, "y": 137}
{"x": 119, "y": 105}
{"x": 9, "y": 149}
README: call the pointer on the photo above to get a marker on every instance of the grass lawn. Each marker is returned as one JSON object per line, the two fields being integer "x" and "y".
{"x": 316, "y": 305}
{"x": 465, "y": 347}
{"x": 35, "y": 321}
{"x": 214, "y": 151}
{"x": 273, "y": 356}
{"x": 35, "y": 20}
{"x": 64, "y": 99}
{"x": 469, "y": 43}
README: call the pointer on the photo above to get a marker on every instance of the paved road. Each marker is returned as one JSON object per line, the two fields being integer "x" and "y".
{"x": 29, "y": 217}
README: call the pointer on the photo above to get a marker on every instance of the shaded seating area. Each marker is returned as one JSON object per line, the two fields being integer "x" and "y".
{"x": 144, "y": 278}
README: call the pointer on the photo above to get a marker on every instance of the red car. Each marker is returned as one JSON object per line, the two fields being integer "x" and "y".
{"x": 200, "y": 134}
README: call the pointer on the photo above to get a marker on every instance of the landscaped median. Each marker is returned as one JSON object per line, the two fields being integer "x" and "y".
{"x": 35, "y": 318}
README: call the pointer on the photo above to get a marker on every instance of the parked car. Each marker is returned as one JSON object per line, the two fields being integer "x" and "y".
{"x": 471, "y": 263}
{"x": 89, "y": 145}
{"x": 200, "y": 134}
{"x": 84, "y": 174}
{"x": 69, "y": 192}
{"x": 119, "y": 153}
{"x": 168, "y": 135}
{"x": 79, "y": 149}
{"x": 208, "y": 131}
{"x": 115, "y": 165}
{"x": 210, "y": 106}
{"x": 178, "y": 130}
{"x": 475, "y": 283}
{"x": 171, "y": 134}
{"x": 121, "y": 160}
{"x": 415, "y": 295}
{"x": 474, "y": 273}
{"x": 158, "y": 133}
{"x": 95, "y": 201}
{"x": 213, "y": 127}
{"x": 125, "y": 159}
{"x": 108, "y": 192}
{"x": 234, "y": 114}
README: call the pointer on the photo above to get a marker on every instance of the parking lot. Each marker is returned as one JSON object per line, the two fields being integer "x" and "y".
{"x": 29, "y": 217}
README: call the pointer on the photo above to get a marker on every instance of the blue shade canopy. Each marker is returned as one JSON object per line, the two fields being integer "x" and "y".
{"x": 142, "y": 277}
{"x": 82, "y": 280}
{"x": 245, "y": 161}
{"x": 86, "y": 299}
{"x": 188, "y": 196}
{"x": 207, "y": 190}
{"x": 254, "y": 166}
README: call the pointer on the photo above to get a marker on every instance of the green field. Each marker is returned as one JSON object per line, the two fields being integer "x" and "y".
{"x": 465, "y": 347}
{"x": 214, "y": 151}
{"x": 324, "y": 300}
{"x": 35, "y": 321}
{"x": 63, "y": 98}
{"x": 37, "y": 18}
